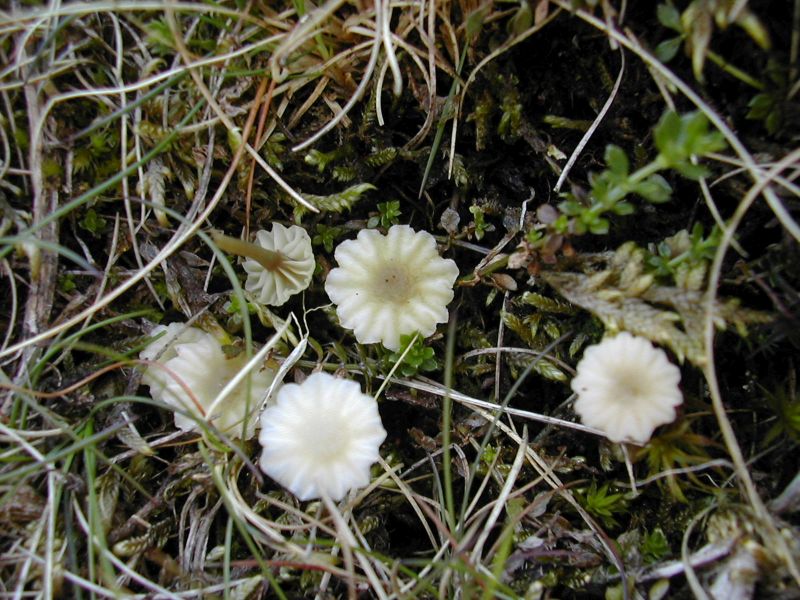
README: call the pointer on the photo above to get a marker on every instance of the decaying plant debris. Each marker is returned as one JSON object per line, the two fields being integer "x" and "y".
{"x": 591, "y": 167}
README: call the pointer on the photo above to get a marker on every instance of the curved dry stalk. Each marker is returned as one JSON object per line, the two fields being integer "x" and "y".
{"x": 498, "y": 350}
{"x": 354, "y": 99}
{"x": 439, "y": 390}
{"x": 715, "y": 214}
{"x": 383, "y": 16}
{"x": 688, "y": 569}
{"x": 232, "y": 129}
{"x": 595, "y": 124}
{"x": 12, "y": 319}
{"x": 306, "y": 28}
{"x": 348, "y": 543}
{"x": 428, "y": 38}
{"x": 243, "y": 510}
{"x": 502, "y": 498}
{"x": 715, "y": 273}
{"x": 148, "y": 81}
{"x": 409, "y": 495}
{"x": 711, "y": 464}
{"x": 88, "y": 531}
{"x": 181, "y": 236}
{"x": 123, "y": 151}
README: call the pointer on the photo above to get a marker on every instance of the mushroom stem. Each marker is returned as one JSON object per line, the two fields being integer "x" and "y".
{"x": 269, "y": 259}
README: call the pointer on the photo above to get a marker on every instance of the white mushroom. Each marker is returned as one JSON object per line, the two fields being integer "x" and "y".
{"x": 391, "y": 285}
{"x": 162, "y": 348}
{"x": 626, "y": 387}
{"x": 278, "y": 266}
{"x": 196, "y": 360}
{"x": 321, "y": 437}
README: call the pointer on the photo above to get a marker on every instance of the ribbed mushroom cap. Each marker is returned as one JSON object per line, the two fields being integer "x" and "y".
{"x": 391, "y": 285}
{"x": 321, "y": 437}
{"x": 626, "y": 387}
{"x": 290, "y": 274}
{"x": 197, "y": 359}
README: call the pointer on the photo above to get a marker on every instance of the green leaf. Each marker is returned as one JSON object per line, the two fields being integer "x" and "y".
{"x": 667, "y": 49}
{"x": 522, "y": 19}
{"x": 549, "y": 371}
{"x": 419, "y": 357}
{"x": 93, "y": 223}
{"x": 654, "y": 189}
{"x": 480, "y": 224}
{"x": 624, "y": 208}
{"x": 617, "y": 160}
{"x": 773, "y": 122}
{"x": 667, "y": 132}
{"x": 691, "y": 171}
{"x": 599, "y": 226}
{"x": 326, "y": 236}
{"x": 669, "y": 17}
{"x": 760, "y": 105}
{"x": 655, "y": 546}
{"x": 571, "y": 207}
{"x": 389, "y": 212}
{"x": 678, "y": 138}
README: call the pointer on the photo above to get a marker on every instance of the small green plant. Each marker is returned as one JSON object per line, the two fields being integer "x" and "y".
{"x": 678, "y": 139}
{"x": 600, "y": 502}
{"x": 511, "y": 111}
{"x": 66, "y": 283}
{"x": 419, "y": 358}
{"x": 676, "y": 447}
{"x": 479, "y": 226}
{"x": 492, "y": 458}
{"x": 655, "y": 546}
{"x": 96, "y": 154}
{"x": 388, "y": 214}
{"x": 769, "y": 105}
{"x": 93, "y": 223}
{"x": 786, "y": 406}
{"x": 337, "y": 202}
{"x": 159, "y": 37}
{"x": 326, "y": 236}
{"x": 685, "y": 256}
{"x": 321, "y": 160}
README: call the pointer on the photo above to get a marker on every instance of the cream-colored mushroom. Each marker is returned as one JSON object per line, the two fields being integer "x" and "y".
{"x": 391, "y": 285}
{"x": 321, "y": 437}
{"x": 195, "y": 360}
{"x": 278, "y": 266}
{"x": 626, "y": 387}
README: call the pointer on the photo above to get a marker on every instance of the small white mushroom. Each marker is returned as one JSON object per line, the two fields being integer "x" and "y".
{"x": 278, "y": 266}
{"x": 626, "y": 387}
{"x": 321, "y": 437}
{"x": 195, "y": 359}
{"x": 391, "y": 285}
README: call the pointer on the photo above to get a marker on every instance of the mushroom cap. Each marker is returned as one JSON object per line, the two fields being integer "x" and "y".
{"x": 391, "y": 285}
{"x": 292, "y": 275}
{"x": 163, "y": 348}
{"x": 321, "y": 437}
{"x": 626, "y": 387}
{"x": 197, "y": 359}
